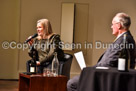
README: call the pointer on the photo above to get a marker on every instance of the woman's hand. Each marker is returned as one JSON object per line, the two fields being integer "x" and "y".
{"x": 37, "y": 63}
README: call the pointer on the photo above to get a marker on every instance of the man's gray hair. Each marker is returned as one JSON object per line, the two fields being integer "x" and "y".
{"x": 124, "y": 19}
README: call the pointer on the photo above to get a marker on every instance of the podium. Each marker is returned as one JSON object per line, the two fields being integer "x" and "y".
{"x": 37, "y": 82}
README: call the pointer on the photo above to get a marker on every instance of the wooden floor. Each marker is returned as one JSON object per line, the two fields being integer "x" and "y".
{"x": 8, "y": 85}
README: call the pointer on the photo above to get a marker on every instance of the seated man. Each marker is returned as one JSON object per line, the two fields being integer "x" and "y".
{"x": 120, "y": 26}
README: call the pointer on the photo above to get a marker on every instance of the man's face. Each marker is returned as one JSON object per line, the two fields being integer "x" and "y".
{"x": 115, "y": 26}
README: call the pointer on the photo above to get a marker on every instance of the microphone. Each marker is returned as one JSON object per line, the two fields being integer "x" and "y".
{"x": 33, "y": 36}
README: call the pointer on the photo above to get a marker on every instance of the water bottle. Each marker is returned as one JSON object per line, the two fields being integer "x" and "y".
{"x": 55, "y": 65}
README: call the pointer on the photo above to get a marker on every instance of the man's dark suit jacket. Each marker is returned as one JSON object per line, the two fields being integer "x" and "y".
{"x": 111, "y": 55}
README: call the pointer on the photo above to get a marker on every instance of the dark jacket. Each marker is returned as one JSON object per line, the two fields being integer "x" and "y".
{"x": 45, "y": 48}
{"x": 111, "y": 55}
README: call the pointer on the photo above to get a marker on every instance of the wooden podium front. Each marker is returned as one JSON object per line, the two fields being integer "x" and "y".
{"x": 37, "y": 82}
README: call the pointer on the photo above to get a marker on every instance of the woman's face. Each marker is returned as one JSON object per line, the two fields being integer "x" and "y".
{"x": 40, "y": 29}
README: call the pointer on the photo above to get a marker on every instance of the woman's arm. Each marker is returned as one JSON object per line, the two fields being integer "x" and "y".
{"x": 33, "y": 53}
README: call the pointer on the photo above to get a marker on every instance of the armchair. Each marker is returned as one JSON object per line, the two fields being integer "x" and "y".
{"x": 65, "y": 65}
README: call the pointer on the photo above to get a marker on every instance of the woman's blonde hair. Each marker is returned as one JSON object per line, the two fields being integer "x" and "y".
{"x": 47, "y": 26}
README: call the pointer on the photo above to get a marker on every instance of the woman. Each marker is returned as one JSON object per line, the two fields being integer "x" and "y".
{"x": 45, "y": 44}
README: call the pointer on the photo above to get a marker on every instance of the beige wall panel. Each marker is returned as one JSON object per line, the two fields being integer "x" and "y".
{"x": 9, "y": 24}
{"x": 67, "y": 24}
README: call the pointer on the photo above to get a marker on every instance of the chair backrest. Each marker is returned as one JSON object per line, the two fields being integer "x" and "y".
{"x": 65, "y": 65}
